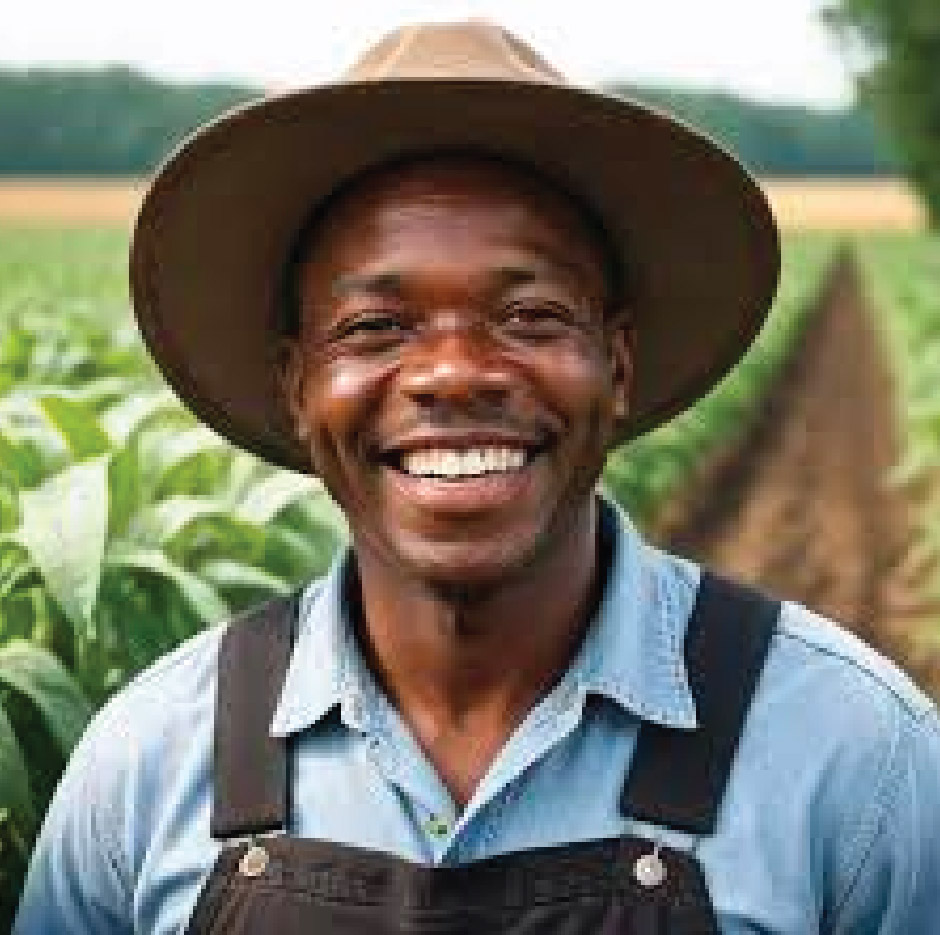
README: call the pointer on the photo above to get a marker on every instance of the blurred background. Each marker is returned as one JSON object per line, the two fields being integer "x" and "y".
{"x": 126, "y": 526}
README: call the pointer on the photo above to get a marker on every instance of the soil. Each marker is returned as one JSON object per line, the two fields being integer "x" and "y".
{"x": 801, "y": 506}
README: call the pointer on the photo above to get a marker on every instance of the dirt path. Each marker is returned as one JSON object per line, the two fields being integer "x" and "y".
{"x": 802, "y": 508}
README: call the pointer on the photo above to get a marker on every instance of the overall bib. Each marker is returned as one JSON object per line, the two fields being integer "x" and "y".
{"x": 614, "y": 886}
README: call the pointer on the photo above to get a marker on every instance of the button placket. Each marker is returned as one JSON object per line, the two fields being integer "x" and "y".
{"x": 437, "y": 826}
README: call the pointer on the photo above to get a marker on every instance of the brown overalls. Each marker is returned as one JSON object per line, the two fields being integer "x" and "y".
{"x": 614, "y": 886}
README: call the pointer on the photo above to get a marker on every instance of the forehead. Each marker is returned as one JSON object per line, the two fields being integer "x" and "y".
{"x": 435, "y": 204}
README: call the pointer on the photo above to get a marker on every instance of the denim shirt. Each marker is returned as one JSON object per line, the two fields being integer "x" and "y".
{"x": 830, "y": 821}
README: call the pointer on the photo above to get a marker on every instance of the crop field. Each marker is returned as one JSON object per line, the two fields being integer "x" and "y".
{"x": 810, "y": 470}
{"x": 800, "y": 204}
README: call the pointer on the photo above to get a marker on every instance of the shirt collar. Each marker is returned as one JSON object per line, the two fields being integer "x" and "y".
{"x": 632, "y": 653}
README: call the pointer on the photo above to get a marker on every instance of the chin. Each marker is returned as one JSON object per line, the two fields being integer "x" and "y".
{"x": 484, "y": 564}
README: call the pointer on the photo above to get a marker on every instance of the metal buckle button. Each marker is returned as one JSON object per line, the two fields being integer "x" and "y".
{"x": 254, "y": 861}
{"x": 649, "y": 869}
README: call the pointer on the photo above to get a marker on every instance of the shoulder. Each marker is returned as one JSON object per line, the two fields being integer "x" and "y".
{"x": 149, "y": 748}
{"x": 138, "y": 739}
{"x": 848, "y": 720}
{"x": 185, "y": 677}
{"x": 816, "y": 657}
{"x": 831, "y": 663}
{"x": 831, "y": 716}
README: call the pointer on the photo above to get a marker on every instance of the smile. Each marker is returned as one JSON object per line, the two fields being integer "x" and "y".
{"x": 457, "y": 463}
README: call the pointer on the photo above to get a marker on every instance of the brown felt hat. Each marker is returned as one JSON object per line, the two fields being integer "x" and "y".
{"x": 218, "y": 222}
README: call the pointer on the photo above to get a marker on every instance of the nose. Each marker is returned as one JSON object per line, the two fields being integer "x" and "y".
{"x": 457, "y": 365}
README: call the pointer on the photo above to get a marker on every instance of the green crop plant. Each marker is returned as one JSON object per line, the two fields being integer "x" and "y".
{"x": 902, "y": 277}
{"x": 646, "y": 473}
{"x": 125, "y": 525}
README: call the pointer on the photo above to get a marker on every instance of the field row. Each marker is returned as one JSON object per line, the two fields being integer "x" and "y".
{"x": 800, "y": 204}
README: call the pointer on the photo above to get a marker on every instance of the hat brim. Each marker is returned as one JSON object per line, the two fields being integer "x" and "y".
{"x": 214, "y": 230}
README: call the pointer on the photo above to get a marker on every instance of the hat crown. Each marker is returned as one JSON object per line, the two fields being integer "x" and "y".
{"x": 474, "y": 48}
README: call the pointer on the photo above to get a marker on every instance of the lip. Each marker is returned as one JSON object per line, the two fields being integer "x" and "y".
{"x": 475, "y": 438}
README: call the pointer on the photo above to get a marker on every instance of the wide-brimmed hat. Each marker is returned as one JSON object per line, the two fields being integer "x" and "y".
{"x": 216, "y": 227}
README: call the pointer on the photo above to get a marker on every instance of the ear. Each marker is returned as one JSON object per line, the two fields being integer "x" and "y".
{"x": 289, "y": 372}
{"x": 621, "y": 343}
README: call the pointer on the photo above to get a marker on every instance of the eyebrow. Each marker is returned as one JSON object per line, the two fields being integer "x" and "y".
{"x": 384, "y": 283}
{"x": 391, "y": 282}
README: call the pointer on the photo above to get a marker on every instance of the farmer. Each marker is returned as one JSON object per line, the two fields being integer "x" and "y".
{"x": 448, "y": 285}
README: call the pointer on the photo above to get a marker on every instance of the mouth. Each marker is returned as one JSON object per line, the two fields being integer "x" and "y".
{"x": 458, "y": 463}
{"x": 464, "y": 474}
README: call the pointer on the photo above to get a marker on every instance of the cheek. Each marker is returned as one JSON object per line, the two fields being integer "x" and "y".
{"x": 339, "y": 400}
{"x": 580, "y": 385}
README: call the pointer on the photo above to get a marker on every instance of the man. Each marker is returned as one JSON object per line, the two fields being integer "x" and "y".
{"x": 501, "y": 711}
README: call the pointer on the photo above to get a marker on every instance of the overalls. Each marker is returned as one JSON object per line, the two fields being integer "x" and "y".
{"x": 613, "y": 886}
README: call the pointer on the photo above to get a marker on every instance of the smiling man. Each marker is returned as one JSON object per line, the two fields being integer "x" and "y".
{"x": 448, "y": 286}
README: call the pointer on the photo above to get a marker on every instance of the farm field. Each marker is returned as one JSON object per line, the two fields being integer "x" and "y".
{"x": 800, "y": 204}
{"x": 828, "y": 435}
{"x": 824, "y": 500}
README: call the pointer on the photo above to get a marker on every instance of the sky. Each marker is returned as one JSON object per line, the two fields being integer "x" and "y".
{"x": 774, "y": 50}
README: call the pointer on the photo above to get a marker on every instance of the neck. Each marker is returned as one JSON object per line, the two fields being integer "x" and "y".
{"x": 454, "y": 659}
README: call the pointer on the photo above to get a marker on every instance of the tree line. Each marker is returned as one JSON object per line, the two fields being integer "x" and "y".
{"x": 901, "y": 40}
{"x": 117, "y": 121}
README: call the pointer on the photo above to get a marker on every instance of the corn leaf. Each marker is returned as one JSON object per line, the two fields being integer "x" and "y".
{"x": 264, "y": 500}
{"x": 122, "y": 420}
{"x": 64, "y": 526}
{"x": 78, "y": 425}
{"x": 15, "y": 792}
{"x": 156, "y": 524}
{"x": 18, "y": 462}
{"x": 227, "y": 575}
{"x": 41, "y": 678}
{"x": 198, "y": 594}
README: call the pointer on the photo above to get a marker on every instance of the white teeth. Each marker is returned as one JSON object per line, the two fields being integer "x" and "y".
{"x": 470, "y": 462}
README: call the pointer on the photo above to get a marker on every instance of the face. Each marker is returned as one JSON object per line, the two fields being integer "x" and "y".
{"x": 456, "y": 376}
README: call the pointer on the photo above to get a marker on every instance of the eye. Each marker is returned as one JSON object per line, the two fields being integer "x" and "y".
{"x": 367, "y": 326}
{"x": 538, "y": 318}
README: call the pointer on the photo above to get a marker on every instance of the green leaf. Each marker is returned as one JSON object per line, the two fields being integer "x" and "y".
{"x": 78, "y": 424}
{"x": 39, "y": 676}
{"x": 225, "y": 574}
{"x": 322, "y": 513}
{"x": 18, "y": 569}
{"x": 64, "y": 526}
{"x": 167, "y": 448}
{"x": 157, "y": 523}
{"x": 41, "y": 448}
{"x": 265, "y": 499}
{"x": 15, "y": 792}
{"x": 198, "y": 594}
{"x": 125, "y": 490}
{"x": 130, "y": 415}
{"x": 17, "y": 461}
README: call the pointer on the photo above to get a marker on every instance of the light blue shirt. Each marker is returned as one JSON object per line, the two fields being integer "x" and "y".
{"x": 830, "y": 822}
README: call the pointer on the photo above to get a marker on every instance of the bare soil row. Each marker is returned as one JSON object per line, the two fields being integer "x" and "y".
{"x": 802, "y": 507}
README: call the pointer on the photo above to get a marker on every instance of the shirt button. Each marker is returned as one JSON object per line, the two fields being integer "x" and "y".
{"x": 436, "y": 826}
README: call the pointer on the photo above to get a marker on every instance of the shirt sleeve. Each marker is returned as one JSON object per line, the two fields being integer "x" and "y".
{"x": 78, "y": 879}
{"x": 896, "y": 887}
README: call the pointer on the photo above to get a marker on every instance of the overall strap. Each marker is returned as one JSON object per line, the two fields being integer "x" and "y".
{"x": 251, "y": 768}
{"x": 678, "y": 776}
